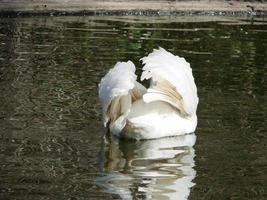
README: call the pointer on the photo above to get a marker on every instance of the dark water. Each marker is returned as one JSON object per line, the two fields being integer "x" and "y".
{"x": 51, "y": 136}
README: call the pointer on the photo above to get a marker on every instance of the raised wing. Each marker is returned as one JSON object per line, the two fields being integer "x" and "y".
{"x": 117, "y": 90}
{"x": 171, "y": 81}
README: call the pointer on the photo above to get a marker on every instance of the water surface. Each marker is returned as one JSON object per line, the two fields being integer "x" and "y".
{"x": 51, "y": 136}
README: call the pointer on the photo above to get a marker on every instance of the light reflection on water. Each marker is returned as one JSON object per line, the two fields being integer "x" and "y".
{"x": 151, "y": 169}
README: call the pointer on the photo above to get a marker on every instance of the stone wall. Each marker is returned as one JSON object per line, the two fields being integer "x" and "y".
{"x": 68, "y": 6}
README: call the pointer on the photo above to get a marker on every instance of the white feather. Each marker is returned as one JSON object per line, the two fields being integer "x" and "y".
{"x": 117, "y": 82}
{"x": 162, "y": 65}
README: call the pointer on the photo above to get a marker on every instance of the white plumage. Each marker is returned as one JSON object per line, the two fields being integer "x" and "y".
{"x": 167, "y": 108}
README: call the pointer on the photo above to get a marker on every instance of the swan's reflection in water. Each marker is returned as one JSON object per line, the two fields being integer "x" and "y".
{"x": 151, "y": 169}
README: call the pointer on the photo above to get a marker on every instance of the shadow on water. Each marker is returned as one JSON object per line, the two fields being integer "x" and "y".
{"x": 152, "y": 169}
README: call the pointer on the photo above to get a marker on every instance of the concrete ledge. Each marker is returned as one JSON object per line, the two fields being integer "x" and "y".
{"x": 131, "y": 7}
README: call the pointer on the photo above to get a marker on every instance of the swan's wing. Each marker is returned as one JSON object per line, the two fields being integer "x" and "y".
{"x": 117, "y": 89}
{"x": 171, "y": 81}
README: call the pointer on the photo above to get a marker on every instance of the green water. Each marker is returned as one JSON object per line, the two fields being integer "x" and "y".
{"x": 51, "y": 135}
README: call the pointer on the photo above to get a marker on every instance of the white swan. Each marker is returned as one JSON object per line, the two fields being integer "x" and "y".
{"x": 167, "y": 108}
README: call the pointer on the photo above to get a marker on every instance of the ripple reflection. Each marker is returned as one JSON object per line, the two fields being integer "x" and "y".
{"x": 150, "y": 169}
